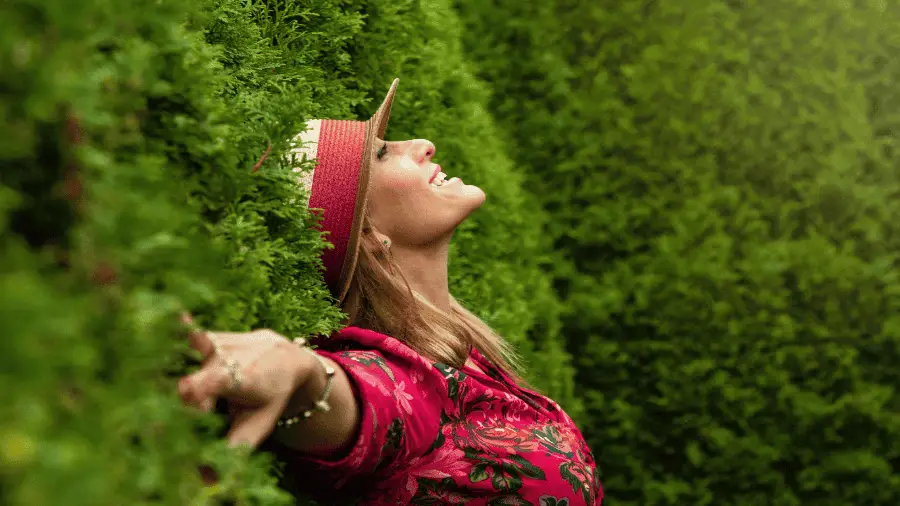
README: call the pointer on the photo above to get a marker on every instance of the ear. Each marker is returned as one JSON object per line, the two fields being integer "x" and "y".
{"x": 381, "y": 237}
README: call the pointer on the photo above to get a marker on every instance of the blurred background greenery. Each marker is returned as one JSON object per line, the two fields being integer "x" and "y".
{"x": 690, "y": 229}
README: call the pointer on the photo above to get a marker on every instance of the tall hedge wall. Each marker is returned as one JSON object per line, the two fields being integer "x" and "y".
{"x": 722, "y": 178}
{"x": 143, "y": 172}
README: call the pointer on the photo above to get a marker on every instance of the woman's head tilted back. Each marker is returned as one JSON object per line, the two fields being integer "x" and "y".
{"x": 391, "y": 213}
{"x": 409, "y": 199}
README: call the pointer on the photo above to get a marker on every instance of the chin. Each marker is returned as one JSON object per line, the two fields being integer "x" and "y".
{"x": 455, "y": 210}
{"x": 473, "y": 198}
{"x": 473, "y": 195}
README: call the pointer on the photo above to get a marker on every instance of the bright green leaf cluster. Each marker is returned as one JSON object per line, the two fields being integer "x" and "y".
{"x": 722, "y": 179}
{"x": 128, "y": 194}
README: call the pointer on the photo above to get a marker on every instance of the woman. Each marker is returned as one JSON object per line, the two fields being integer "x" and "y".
{"x": 417, "y": 401}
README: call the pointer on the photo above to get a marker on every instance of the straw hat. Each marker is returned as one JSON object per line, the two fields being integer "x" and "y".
{"x": 339, "y": 185}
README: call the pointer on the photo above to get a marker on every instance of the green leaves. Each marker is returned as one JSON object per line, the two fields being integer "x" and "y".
{"x": 505, "y": 472}
{"x": 479, "y": 473}
{"x": 720, "y": 190}
{"x": 454, "y": 378}
{"x": 131, "y": 131}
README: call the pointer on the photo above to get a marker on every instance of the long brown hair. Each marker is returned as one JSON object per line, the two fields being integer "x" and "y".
{"x": 381, "y": 299}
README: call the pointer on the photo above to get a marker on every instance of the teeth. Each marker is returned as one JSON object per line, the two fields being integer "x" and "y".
{"x": 439, "y": 180}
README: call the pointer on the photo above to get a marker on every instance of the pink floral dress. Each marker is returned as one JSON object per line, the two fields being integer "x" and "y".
{"x": 431, "y": 434}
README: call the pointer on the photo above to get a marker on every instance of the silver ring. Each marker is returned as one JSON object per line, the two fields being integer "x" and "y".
{"x": 234, "y": 370}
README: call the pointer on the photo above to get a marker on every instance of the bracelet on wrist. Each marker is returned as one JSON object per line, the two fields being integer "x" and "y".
{"x": 322, "y": 404}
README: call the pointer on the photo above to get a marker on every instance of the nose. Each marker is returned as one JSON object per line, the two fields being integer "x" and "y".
{"x": 425, "y": 149}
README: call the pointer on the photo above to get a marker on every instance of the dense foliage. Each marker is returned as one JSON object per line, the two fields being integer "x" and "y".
{"x": 722, "y": 178}
{"x": 143, "y": 173}
{"x": 695, "y": 198}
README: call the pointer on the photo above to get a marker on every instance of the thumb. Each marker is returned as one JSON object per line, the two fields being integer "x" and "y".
{"x": 252, "y": 427}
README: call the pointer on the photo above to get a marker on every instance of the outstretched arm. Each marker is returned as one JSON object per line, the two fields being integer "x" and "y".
{"x": 325, "y": 433}
{"x": 385, "y": 401}
{"x": 263, "y": 375}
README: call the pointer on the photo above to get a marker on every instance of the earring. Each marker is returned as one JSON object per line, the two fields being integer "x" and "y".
{"x": 387, "y": 245}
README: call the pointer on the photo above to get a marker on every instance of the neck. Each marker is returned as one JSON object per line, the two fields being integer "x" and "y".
{"x": 426, "y": 270}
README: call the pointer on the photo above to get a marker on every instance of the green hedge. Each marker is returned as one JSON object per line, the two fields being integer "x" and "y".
{"x": 723, "y": 177}
{"x": 131, "y": 131}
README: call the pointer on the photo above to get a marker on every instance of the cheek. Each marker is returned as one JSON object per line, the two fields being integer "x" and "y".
{"x": 406, "y": 175}
{"x": 401, "y": 186}
{"x": 399, "y": 194}
{"x": 402, "y": 180}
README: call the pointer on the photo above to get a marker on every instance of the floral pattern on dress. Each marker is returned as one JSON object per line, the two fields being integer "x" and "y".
{"x": 433, "y": 434}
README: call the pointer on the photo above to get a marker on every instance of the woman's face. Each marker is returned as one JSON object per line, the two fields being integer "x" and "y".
{"x": 403, "y": 202}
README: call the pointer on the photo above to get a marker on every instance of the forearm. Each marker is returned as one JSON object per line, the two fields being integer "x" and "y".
{"x": 324, "y": 432}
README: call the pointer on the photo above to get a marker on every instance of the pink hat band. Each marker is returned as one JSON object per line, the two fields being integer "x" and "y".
{"x": 339, "y": 184}
{"x": 333, "y": 185}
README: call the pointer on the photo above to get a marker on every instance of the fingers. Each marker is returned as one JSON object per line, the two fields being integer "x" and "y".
{"x": 201, "y": 388}
{"x": 252, "y": 427}
{"x": 248, "y": 427}
{"x": 199, "y": 339}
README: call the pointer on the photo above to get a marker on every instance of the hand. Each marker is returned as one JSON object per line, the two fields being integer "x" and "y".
{"x": 267, "y": 367}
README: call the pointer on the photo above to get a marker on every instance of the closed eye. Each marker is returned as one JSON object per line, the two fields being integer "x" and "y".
{"x": 381, "y": 151}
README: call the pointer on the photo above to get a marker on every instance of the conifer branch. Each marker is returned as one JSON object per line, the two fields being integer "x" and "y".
{"x": 262, "y": 159}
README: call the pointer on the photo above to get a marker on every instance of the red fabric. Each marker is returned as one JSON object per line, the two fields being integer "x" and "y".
{"x": 334, "y": 188}
{"x": 432, "y": 434}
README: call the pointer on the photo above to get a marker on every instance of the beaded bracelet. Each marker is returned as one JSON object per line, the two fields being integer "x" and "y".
{"x": 322, "y": 404}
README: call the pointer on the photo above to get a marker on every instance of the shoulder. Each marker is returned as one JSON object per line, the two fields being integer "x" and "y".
{"x": 358, "y": 343}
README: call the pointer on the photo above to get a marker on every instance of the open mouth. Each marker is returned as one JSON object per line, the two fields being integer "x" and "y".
{"x": 441, "y": 180}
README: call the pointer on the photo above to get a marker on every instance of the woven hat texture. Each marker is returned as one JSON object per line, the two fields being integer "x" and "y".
{"x": 339, "y": 184}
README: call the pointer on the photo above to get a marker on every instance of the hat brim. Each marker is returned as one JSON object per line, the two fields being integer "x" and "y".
{"x": 376, "y": 127}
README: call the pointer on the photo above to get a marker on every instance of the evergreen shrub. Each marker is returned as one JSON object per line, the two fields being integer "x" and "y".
{"x": 144, "y": 173}
{"x": 722, "y": 178}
